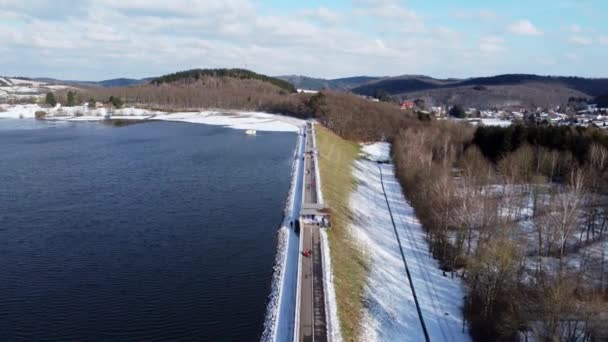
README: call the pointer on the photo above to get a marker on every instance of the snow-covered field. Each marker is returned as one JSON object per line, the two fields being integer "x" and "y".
{"x": 236, "y": 120}
{"x": 390, "y": 311}
{"x": 14, "y": 88}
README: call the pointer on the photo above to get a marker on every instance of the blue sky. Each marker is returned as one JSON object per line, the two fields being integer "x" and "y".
{"x": 102, "y": 39}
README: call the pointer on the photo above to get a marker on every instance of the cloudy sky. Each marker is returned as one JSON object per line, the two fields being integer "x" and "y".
{"x": 102, "y": 39}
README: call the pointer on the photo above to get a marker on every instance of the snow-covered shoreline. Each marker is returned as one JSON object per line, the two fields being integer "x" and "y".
{"x": 390, "y": 312}
{"x": 280, "y": 313}
{"x": 240, "y": 120}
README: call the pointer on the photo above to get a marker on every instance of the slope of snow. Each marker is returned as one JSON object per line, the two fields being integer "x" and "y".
{"x": 17, "y": 81}
{"x": 390, "y": 312}
{"x": 56, "y": 86}
{"x": 238, "y": 120}
{"x": 380, "y": 151}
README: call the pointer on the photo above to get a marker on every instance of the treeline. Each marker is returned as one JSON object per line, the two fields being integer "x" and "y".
{"x": 205, "y": 93}
{"x": 350, "y": 116}
{"x": 602, "y": 101}
{"x": 498, "y": 142}
{"x": 356, "y": 118}
{"x": 509, "y": 231}
{"x": 194, "y": 75}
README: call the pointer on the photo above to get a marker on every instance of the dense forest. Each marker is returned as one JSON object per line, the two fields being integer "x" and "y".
{"x": 349, "y": 115}
{"x": 518, "y": 213}
{"x": 497, "y": 142}
{"x": 242, "y": 74}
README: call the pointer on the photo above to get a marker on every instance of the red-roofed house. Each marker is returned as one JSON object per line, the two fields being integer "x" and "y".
{"x": 408, "y": 105}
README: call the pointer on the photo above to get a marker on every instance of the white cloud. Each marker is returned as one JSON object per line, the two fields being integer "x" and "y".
{"x": 573, "y": 28}
{"x": 487, "y": 15}
{"x": 324, "y": 15}
{"x": 571, "y": 56}
{"x": 101, "y": 39}
{"x": 391, "y": 14}
{"x": 186, "y": 8}
{"x": 481, "y": 15}
{"x": 524, "y": 28}
{"x": 491, "y": 45}
{"x": 581, "y": 40}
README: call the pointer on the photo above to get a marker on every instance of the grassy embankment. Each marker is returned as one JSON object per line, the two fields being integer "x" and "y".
{"x": 336, "y": 157}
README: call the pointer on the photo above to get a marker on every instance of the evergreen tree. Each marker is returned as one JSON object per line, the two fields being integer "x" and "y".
{"x": 116, "y": 102}
{"x": 71, "y": 101}
{"x": 50, "y": 100}
{"x": 382, "y": 95}
{"x": 458, "y": 112}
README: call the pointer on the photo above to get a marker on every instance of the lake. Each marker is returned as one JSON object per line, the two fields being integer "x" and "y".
{"x": 153, "y": 231}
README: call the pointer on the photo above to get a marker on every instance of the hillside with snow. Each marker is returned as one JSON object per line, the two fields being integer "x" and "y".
{"x": 390, "y": 312}
{"x": 17, "y": 89}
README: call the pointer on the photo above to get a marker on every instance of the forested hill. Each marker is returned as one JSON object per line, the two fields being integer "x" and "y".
{"x": 494, "y": 91}
{"x": 347, "y": 83}
{"x": 197, "y": 74}
{"x": 406, "y": 84}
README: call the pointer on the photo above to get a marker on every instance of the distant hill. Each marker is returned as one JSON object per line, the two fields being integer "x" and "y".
{"x": 487, "y": 92}
{"x": 480, "y": 92}
{"x": 303, "y": 82}
{"x": 123, "y": 82}
{"x": 196, "y": 74}
{"x": 117, "y": 82}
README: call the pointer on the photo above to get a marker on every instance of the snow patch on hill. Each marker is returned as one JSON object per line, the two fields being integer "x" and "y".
{"x": 390, "y": 312}
{"x": 380, "y": 151}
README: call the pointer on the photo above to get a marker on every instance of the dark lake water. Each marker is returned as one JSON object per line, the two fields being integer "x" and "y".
{"x": 155, "y": 231}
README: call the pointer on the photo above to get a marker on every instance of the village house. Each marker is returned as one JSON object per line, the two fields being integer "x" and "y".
{"x": 408, "y": 105}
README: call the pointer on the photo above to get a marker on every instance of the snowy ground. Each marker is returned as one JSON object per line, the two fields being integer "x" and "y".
{"x": 380, "y": 152}
{"x": 390, "y": 311}
{"x": 236, "y": 120}
{"x": 491, "y": 122}
{"x": 13, "y": 88}
{"x": 333, "y": 322}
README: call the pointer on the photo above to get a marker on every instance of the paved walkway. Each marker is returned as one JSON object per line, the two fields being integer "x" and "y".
{"x": 312, "y": 295}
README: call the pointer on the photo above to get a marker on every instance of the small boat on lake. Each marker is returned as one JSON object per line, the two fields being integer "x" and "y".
{"x": 250, "y": 132}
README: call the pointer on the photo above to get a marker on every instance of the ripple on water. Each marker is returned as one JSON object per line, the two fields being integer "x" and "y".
{"x": 158, "y": 231}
